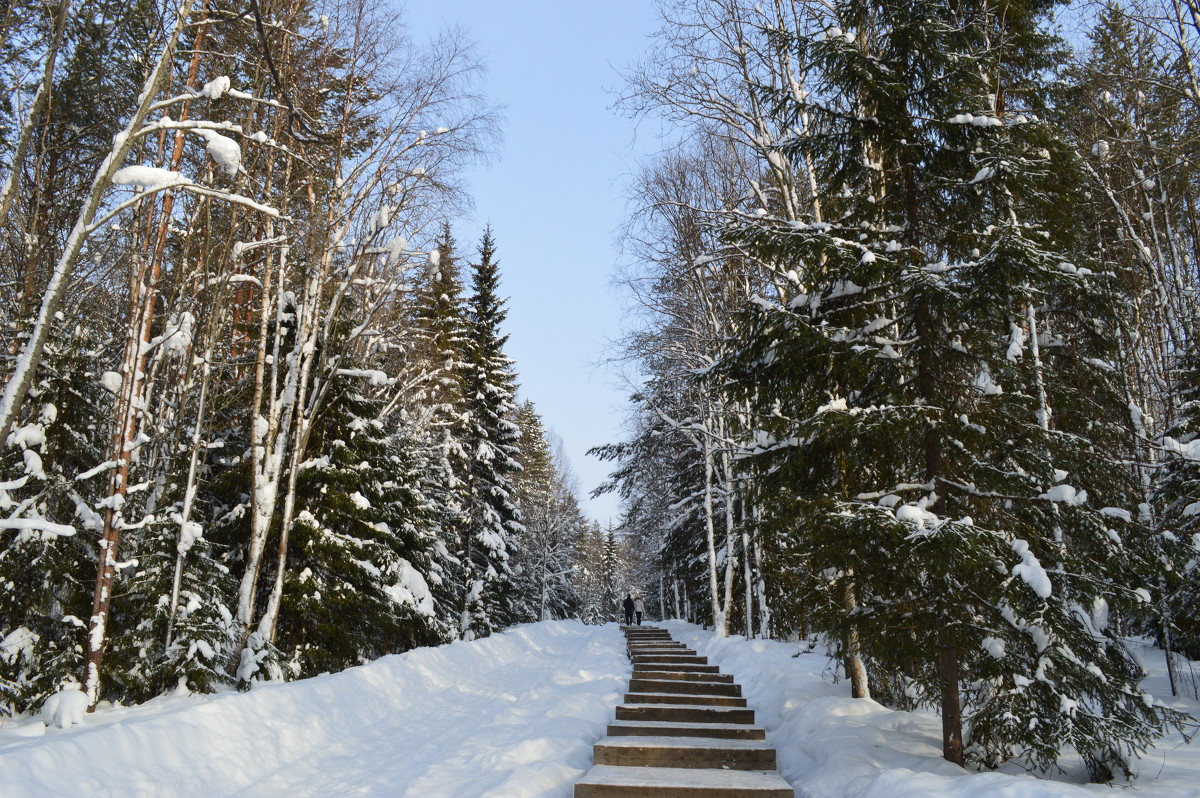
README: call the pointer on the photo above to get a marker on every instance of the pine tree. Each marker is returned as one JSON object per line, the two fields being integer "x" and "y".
{"x": 359, "y": 581}
{"x": 545, "y": 561}
{"x": 946, "y": 485}
{"x": 44, "y": 567}
{"x": 492, "y": 444}
{"x": 1177, "y": 495}
{"x": 441, "y": 418}
{"x": 610, "y": 597}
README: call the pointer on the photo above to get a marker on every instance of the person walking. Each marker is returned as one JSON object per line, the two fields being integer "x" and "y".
{"x": 639, "y": 607}
{"x": 628, "y": 605}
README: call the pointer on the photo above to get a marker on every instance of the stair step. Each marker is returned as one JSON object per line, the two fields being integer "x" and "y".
{"x": 675, "y": 667}
{"x": 660, "y": 728}
{"x": 684, "y": 752}
{"x": 607, "y": 781}
{"x": 659, "y": 648}
{"x": 682, "y": 676}
{"x": 643, "y": 685}
{"x": 684, "y": 713}
{"x": 680, "y": 698}
{"x": 682, "y": 659}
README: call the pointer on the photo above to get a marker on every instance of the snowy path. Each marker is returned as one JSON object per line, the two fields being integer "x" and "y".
{"x": 514, "y": 715}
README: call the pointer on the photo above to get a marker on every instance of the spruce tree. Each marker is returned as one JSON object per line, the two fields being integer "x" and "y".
{"x": 441, "y": 419}
{"x": 44, "y": 598}
{"x": 1177, "y": 495}
{"x": 359, "y": 582}
{"x": 946, "y": 488}
{"x": 545, "y": 561}
{"x": 492, "y": 442}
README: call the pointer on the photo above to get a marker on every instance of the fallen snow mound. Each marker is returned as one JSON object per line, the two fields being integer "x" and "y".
{"x": 514, "y": 715}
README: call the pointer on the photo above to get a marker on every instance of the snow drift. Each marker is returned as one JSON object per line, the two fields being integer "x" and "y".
{"x": 515, "y": 714}
{"x": 832, "y": 746}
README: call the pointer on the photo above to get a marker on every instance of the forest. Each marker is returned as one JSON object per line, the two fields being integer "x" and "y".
{"x": 911, "y": 295}
{"x": 259, "y": 422}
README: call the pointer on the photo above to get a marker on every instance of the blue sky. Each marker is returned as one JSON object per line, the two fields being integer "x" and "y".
{"x": 554, "y": 198}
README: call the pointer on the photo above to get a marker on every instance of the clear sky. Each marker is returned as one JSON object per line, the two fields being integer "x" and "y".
{"x": 555, "y": 198}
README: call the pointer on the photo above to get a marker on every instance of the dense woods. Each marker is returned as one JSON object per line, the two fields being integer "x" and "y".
{"x": 259, "y": 422}
{"x": 912, "y": 334}
{"x": 914, "y": 302}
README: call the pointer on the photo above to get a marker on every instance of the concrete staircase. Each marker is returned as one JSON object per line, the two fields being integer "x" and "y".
{"x": 684, "y": 731}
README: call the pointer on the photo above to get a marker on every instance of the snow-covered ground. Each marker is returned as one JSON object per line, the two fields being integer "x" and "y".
{"x": 832, "y": 746}
{"x": 513, "y": 715}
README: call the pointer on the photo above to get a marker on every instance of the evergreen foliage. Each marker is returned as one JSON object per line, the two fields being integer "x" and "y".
{"x": 1178, "y": 494}
{"x": 44, "y": 576}
{"x": 936, "y": 401}
{"x": 545, "y": 566}
{"x": 358, "y": 586}
{"x": 491, "y": 442}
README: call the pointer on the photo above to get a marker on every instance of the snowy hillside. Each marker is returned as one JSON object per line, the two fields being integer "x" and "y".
{"x": 515, "y": 714}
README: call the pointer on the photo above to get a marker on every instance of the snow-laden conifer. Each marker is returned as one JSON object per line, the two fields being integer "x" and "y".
{"x": 939, "y": 422}
{"x": 491, "y": 441}
{"x": 545, "y": 562}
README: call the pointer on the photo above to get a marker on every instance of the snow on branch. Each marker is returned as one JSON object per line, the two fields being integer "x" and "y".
{"x": 46, "y": 528}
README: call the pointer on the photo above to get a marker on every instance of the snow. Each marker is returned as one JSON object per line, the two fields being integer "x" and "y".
{"x": 985, "y": 384}
{"x": 838, "y": 404}
{"x": 149, "y": 177}
{"x": 1065, "y": 494}
{"x": 33, "y": 464}
{"x": 1016, "y": 342}
{"x": 396, "y": 249}
{"x": 28, "y": 436}
{"x": 1117, "y": 512}
{"x": 65, "y": 709}
{"x": 47, "y": 530}
{"x": 1188, "y": 451}
{"x": 994, "y": 647}
{"x": 917, "y": 514}
{"x": 650, "y": 777}
{"x": 513, "y": 715}
{"x": 410, "y": 589}
{"x": 18, "y": 643}
{"x": 984, "y": 173}
{"x": 1030, "y": 570}
{"x": 226, "y": 152}
{"x": 177, "y": 335}
{"x": 375, "y": 376}
{"x": 215, "y": 88}
{"x": 111, "y": 382}
{"x": 830, "y": 745}
{"x": 189, "y": 533}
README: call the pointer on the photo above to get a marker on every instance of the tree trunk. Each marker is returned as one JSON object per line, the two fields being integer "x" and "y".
{"x": 40, "y": 100}
{"x": 853, "y": 664}
{"x": 31, "y": 353}
{"x": 718, "y": 612}
{"x": 952, "y": 738}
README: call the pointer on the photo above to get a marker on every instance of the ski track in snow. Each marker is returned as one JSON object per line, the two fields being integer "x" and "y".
{"x": 830, "y": 745}
{"x": 513, "y": 715}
